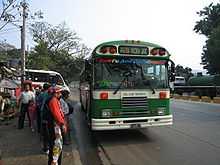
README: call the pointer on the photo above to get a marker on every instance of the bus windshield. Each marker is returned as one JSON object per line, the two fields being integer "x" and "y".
{"x": 130, "y": 73}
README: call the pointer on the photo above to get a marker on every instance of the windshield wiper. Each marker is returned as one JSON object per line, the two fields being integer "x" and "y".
{"x": 146, "y": 82}
{"x": 125, "y": 75}
{"x": 151, "y": 87}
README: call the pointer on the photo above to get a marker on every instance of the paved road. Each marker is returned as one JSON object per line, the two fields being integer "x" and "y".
{"x": 87, "y": 145}
{"x": 193, "y": 139}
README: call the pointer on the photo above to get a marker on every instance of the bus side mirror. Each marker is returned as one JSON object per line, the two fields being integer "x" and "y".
{"x": 172, "y": 71}
{"x": 172, "y": 67}
{"x": 172, "y": 77}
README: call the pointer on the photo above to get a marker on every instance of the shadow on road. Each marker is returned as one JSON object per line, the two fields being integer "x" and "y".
{"x": 86, "y": 144}
{"x": 122, "y": 137}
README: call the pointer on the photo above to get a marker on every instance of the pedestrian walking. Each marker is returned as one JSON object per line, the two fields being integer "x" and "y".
{"x": 26, "y": 96}
{"x": 56, "y": 125}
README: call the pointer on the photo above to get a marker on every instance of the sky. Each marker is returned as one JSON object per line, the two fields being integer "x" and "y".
{"x": 168, "y": 23}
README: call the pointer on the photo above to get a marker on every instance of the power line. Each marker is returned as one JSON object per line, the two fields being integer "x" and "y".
{"x": 5, "y": 30}
{"x": 11, "y": 31}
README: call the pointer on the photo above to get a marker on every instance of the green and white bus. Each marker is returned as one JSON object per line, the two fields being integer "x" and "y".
{"x": 125, "y": 84}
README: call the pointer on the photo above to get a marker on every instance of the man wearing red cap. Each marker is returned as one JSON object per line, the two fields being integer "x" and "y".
{"x": 56, "y": 125}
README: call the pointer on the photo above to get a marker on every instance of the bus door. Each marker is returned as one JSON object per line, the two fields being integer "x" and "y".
{"x": 85, "y": 87}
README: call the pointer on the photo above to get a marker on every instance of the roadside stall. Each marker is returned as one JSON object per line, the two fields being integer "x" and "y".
{"x": 7, "y": 99}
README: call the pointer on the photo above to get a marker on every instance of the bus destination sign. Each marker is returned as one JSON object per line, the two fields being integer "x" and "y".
{"x": 133, "y": 50}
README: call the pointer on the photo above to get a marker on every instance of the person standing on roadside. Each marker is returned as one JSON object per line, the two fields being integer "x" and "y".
{"x": 42, "y": 116}
{"x": 67, "y": 110}
{"x": 38, "y": 92}
{"x": 56, "y": 125}
{"x": 26, "y": 96}
{"x": 32, "y": 113}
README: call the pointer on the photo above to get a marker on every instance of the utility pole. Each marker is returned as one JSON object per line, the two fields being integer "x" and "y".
{"x": 23, "y": 30}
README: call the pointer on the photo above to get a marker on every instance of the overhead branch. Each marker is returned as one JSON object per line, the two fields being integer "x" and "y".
{"x": 4, "y": 25}
{"x": 6, "y": 8}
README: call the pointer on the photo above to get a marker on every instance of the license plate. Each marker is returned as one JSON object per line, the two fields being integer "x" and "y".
{"x": 135, "y": 126}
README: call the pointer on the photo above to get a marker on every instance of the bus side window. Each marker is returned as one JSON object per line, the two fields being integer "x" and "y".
{"x": 58, "y": 80}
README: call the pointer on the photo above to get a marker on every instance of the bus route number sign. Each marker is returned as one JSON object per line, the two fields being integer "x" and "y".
{"x": 133, "y": 50}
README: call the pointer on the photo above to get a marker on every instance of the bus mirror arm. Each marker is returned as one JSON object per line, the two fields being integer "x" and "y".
{"x": 88, "y": 77}
{"x": 172, "y": 67}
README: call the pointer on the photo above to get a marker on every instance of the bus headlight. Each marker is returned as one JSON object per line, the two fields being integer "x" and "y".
{"x": 106, "y": 113}
{"x": 161, "y": 110}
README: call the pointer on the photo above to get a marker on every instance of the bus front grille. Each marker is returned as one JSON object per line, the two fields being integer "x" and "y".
{"x": 134, "y": 102}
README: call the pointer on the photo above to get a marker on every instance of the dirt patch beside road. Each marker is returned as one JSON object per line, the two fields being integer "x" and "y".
{"x": 23, "y": 147}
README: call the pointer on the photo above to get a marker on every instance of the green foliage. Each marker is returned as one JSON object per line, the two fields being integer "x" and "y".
{"x": 57, "y": 38}
{"x": 39, "y": 58}
{"x": 6, "y": 55}
{"x": 58, "y": 49}
{"x": 211, "y": 52}
{"x": 210, "y": 19}
{"x": 3, "y": 56}
{"x": 14, "y": 53}
{"x": 7, "y": 51}
{"x": 184, "y": 72}
{"x": 209, "y": 25}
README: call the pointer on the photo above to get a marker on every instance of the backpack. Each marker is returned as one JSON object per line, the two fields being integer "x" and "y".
{"x": 71, "y": 109}
{"x": 46, "y": 113}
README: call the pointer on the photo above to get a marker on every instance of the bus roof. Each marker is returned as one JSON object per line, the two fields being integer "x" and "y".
{"x": 179, "y": 77}
{"x": 42, "y": 71}
{"x": 131, "y": 43}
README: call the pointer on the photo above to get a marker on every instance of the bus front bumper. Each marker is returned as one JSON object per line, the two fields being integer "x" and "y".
{"x": 131, "y": 123}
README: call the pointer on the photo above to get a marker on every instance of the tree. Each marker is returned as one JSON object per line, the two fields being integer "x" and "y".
{"x": 211, "y": 53}
{"x": 209, "y": 26}
{"x": 7, "y": 15}
{"x": 210, "y": 19}
{"x": 184, "y": 72}
{"x": 39, "y": 58}
{"x": 11, "y": 13}
{"x": 8, "y": 51}
{"x": 60, "y": 49}
{"x": 57, "y": 38}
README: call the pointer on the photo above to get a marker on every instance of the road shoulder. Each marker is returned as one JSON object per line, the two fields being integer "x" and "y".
{"x": 23, "y": 147}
